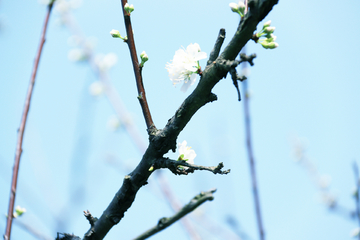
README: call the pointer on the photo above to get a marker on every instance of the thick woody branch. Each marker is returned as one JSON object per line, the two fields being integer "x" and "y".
{"x": 138, "y": 77}
{"x": 161, "y": 141}
{"x": 191, "y": 206}
{"x": 258, "y": 11}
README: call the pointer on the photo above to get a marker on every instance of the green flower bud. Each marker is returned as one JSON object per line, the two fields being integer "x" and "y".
{"x": 238, "y": 8}
{"x": 267, "y": 24}
{"x": 144, "y": 57}
{"x": 269, "y": 29}
{"x": 271, "y": 38}
{"x": 19, "y": 211}
{"x": 234, "y": 7}
{"x": 129, "y": 8}
{"x": 241, "y": 8}
{"x": 115, "y": 33}
{"x": 272, "y": 45}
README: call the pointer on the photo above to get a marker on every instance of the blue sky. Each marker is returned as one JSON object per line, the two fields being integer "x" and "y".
{"x": 306, "y": 89}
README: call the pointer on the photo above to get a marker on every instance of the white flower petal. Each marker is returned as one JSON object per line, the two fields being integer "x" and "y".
{"x": 185, "y": 65}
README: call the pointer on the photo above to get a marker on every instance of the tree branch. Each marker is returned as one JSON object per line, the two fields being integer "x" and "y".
{"x": 161, "y": 141}
{"x": 176, "y": 167}
{"x": 22, "y": 127}
{"x": 215, "y": 52}
{"x": 139, "y": 82}
{"x": 191, "y": 206}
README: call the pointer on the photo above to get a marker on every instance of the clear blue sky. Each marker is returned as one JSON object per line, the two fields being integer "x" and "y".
{"x": 308, "y": 88}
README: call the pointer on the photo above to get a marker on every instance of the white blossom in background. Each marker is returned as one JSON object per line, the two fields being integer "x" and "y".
{"x": 96, "y": 88}
{"x": 324, "y": 181}
{"x": 81, "y": 47}
{"x": 355, "y": 232}
{"x": 105, "y": 62}
{"x": 113, "y": 123}
{"x": 77, "y": 54}
{"x": 185, "y": 65}
{"x": 186, "y": 153}
{"x": 62, "y": 6}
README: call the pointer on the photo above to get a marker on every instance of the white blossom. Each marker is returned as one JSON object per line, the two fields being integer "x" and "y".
{"x": 186, "y": 153}
{"x": 77, "y": 55}
{"x": 355, "y": 232}
{"x": 113, "y": 123}
{"x": 105, "y": 62}
{"x": 96, "y": 88}
{"x": 185, "y": 65}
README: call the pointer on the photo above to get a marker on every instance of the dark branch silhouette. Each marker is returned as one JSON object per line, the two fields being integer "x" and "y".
{"x": 166, "y": 222}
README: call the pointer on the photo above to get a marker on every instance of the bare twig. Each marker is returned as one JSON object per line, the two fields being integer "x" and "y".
{"x": 176, "y": 167}
{"x": 215, "y": 52}
{"x": 22, "y": 128}
{"x": 90, "y": 217}
{"x": 191, "y": 206}
{"x": 252, "y": 163}
{"x": 136, "y": 66}
{"x": 174, "y": 203}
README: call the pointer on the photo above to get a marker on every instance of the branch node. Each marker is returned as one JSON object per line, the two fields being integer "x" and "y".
{"x": 90, "y": 218}
{"x": 249, "y": 59}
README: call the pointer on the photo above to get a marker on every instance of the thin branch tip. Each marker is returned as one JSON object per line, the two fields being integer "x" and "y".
{"x": 215, "y": 51}
{"x": 182, "y": 167}
{"x": 90, "y": 218}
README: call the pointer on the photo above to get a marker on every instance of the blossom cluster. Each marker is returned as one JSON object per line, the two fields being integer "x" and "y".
{"x": 185, "y": 65}
{"x": 269, "y": 41}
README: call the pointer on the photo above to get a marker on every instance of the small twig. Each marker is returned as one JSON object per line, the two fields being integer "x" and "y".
{"x": 139, "y": 83}
{"x": 357, "y": 200}
{"x": 174, "y": 204}
{"x": 90, "y": 218}
{"x": 183, "y": 167}
{"x": 66, "y": 236}
{"x": 246, "y": 58}
{"x": 31, "y": 230}
{"x": 235, "y": 78}
{"x": 191, "y": 206}
{"x": 22, "y": 128}
{"x": 252, "y": 163}
{"x": 215, "y": 52}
